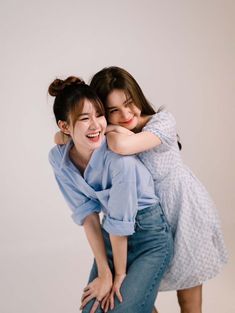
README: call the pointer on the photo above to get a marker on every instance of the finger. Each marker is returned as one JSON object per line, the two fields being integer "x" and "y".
{"x": 95, "y": 306}
{"x": 86, "y": 300}
{"x": 104, "y": 301}
{"x": 111, "y": 300}
{"x": 107, "y": 305}
{"x": 86, "y": 288}
{"x": 118, "y": 294}
{"x": 85, "y": 294}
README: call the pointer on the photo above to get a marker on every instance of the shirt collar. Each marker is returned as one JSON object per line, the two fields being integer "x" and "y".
{"x": 65, "y": 156}
{"x": 97, "y": 156}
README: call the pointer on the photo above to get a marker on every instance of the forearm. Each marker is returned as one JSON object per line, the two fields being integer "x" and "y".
{"x": 95, "y": 238}
{"x": 131, "y": 144}
{"x": 116, "y": 142}
{"x": 118, "y": 129}
{"x": 119, "y": 248}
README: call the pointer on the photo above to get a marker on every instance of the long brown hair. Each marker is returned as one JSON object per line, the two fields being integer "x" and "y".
{"x": 110, "y": 78}
{"x": 113, "y": 77}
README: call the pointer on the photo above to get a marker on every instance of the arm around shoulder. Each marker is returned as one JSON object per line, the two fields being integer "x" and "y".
{"x": 131, "y": 144}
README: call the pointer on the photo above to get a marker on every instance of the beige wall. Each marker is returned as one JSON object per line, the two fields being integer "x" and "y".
{"x": 182, "y": 54}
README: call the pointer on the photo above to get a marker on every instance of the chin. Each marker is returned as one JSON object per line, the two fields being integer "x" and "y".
{"x": 132, "y": 126}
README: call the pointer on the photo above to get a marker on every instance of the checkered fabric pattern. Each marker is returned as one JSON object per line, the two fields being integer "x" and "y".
{"x": 199, "y": 250}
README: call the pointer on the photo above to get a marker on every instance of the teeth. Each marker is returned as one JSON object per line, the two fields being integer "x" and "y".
{"x": 93, "y": 135}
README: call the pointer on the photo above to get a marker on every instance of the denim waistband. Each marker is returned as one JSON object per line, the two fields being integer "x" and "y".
{"x": 141, "y": 214}
{"x": 151, "y": 210}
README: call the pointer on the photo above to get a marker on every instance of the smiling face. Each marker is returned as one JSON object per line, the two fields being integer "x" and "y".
{"x": 89, "y": 128}
{"x": 121, "y": 110}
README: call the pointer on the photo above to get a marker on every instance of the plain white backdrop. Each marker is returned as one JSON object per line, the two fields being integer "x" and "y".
{"x": 182, "y": 53}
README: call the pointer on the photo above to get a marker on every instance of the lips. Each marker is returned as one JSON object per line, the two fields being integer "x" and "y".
{"x": 129, "y": 121}
{"x": 94, "y": 137}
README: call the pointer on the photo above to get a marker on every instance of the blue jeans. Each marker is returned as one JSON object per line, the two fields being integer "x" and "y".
{"x": 150, "y": 250}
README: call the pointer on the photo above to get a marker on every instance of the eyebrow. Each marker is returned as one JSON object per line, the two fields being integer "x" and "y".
{"x": 83, "y": 114}
{"x": 127, "y": 100}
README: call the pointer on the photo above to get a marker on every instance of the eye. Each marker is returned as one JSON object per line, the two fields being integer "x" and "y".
{"x": 112, "y": 111}
{"x": 84, "y": 119}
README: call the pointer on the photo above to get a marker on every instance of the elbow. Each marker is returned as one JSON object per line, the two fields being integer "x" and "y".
{"x": 116, "y": 147}
{"x": 119, "y": 149}
{"x": 91, "y": 218}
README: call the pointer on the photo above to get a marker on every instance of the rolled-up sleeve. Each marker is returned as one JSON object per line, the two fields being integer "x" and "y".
{"x": 80, "y": 205}
{"x": 123, "y": 201}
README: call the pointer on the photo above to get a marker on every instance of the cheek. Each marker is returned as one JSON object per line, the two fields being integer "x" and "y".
{"x": 80, "y": 130}
{"x": 137, "y": 112}
{"x": 104, "y": 124}
{"x": 113, "y": 118}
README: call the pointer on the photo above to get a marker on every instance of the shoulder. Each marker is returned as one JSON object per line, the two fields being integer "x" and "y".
{"x": 117, "y": 159}
{"x": 119, "y": 162}
{"x": 163, "y": 125}
{"x": 55, "y": 155}
{"x": 162, "y": 117}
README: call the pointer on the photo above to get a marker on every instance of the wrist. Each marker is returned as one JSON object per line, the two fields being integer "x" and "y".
{"x": 120, "y": 274}
{"x": 104, "y": 271}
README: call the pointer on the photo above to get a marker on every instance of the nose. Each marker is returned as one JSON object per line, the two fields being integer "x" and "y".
{"x": 94, "y": 123}
{"x": 125, "y": 113}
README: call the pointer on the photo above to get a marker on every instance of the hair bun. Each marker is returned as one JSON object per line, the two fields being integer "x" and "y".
{"x": 58, "y": 84}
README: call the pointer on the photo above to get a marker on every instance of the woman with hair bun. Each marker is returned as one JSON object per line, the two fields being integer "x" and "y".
{"x": 133, "y": 246}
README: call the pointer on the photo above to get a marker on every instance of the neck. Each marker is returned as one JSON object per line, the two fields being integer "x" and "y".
{"x": 142, "y": 122}
{"x": 80, "y": 157}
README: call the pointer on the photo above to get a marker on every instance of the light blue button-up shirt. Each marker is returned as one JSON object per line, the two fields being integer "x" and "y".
{"x": 117, "y": 185}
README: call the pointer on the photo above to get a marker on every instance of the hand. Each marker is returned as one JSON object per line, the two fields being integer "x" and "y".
{"x": 108, "y": 301}
{"x": 118, "y": 129}
{"x": 98, "y": 288}
{"x": 61, "y": 138}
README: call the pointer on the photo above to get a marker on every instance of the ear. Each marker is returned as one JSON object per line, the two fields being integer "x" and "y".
{"x": 64, "y": 127}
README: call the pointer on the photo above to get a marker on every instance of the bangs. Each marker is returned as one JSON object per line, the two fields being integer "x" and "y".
{"x": 134, "y": 92}
{"x": 127, "y": 93}
{"x": 77, "y": 108}
{"x": 98, "y": 105}
{"x": 134, "y": 96}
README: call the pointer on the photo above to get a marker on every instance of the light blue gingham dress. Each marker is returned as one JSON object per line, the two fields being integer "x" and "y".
{"x": 199, "y": 250}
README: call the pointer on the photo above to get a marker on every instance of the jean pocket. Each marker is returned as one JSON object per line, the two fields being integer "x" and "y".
{"x": 152, "y": 221}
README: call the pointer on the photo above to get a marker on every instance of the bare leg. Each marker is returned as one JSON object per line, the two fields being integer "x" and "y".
{"x": 155, "y": 310}
{"x": 190, "y": 300}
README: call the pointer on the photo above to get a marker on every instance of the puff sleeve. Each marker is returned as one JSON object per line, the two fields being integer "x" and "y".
{"x": 163, "y": 125}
